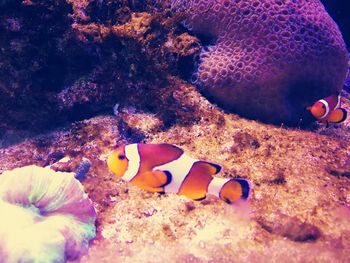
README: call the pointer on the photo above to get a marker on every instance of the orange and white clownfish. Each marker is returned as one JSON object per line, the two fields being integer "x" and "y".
{"x": 328, "y": 110}
{"x": 166, "y": 168}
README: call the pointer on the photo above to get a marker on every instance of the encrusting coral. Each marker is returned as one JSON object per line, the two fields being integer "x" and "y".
{"x": 45, "y": 216}
{"x": 270, "y": 59}
{"x": 69, "y": 59}
{"x": 66, "y": 60}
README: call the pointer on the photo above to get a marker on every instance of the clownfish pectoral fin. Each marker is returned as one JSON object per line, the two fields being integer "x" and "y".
{"x": 337, "y": 116}
{"x": 211, "y": 168}
{"x": 153, "y": 181}
{"x": 153, "y": 189}
{"x": 234, "y": 190}
{"x": 163, "y": 177}
{"x": 200, "y": 198}
{"x": 158, "y": 178}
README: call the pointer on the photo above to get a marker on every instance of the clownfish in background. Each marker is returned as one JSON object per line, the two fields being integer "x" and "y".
{"x": 328, "y": 110}
{"x": 166, "y": 168}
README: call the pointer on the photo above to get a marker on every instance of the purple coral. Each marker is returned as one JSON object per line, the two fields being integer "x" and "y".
{"x": 271, "y": 57}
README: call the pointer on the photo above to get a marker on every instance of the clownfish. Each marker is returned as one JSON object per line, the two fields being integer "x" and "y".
{"x": 166, "y": 168}
{"x": 328, "y": 110}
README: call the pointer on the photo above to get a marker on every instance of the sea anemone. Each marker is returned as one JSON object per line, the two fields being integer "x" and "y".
{"x": 45, "y": 216}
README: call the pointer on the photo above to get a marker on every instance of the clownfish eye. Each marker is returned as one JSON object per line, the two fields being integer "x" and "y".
{"x": 121, "y": 157}
{"x": 323, "y": 106}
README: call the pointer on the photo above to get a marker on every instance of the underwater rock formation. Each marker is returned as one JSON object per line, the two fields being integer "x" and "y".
{"x": 270, "y": 59}
{"x": 45, "y": 216}
{"x": 66, "y": 60}
{"x": 299, "y": 208}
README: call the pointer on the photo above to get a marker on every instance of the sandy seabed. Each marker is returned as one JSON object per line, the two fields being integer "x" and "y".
{"x": 298, "y": 210}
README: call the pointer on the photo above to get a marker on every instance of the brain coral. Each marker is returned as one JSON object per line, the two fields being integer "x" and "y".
{"x": 271, "y": 58}
{"x": 45, "y": 216}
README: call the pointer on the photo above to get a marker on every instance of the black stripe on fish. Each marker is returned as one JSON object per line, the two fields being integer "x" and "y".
{"x": 169, "y": 177}
{"x": 245, "y": 187}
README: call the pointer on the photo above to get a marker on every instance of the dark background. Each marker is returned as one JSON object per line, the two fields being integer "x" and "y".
{"x": 340, "y": 12}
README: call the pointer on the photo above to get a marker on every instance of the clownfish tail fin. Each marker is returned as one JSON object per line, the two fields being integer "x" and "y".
{"x": 229, "y": 190}
{"x": 234, "y": 190}
{"x": 245, "y": 187}
{"x": 337, "y": 116}
{"x": 345, "y": 114}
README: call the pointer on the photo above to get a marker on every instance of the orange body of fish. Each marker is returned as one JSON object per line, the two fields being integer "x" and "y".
{"x": 166, "y": 168}
{"x": 328, "y": 110}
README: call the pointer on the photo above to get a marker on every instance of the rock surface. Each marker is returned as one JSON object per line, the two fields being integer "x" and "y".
{"x": 298, "y": 212}
{"x": 67, "y": 60}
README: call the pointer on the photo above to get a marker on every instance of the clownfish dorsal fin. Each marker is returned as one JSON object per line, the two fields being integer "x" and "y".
{"x": 337, "y": 116}
{"x": 212, "y": 168}
{"x": 153, "y": 155}
{"x": 169, "y": 147}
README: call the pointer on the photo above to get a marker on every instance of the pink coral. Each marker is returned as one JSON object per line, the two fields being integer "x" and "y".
{"x": 271, "y": 57}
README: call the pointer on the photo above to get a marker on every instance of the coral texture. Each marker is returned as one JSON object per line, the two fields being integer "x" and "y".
{"x": 45, "y": 216}
{"x": 271, "y": 58}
